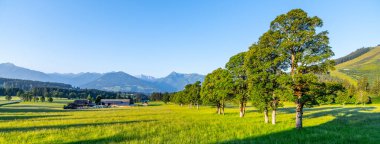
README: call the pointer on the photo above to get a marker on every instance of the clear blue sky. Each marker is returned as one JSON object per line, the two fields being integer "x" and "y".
{"x": 158, "y": 37}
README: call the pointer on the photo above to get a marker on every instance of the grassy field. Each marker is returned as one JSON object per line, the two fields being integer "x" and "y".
{"x": 159, "y": 123}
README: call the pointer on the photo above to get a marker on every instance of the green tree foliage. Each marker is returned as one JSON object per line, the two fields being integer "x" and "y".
{"x": 35, "y": 99}
{"x": 217, "y": 89}
{"x": 98, "y": 99}
{"x": 362, "y": 97}
{"x": 8, "y": 97}
{"x": 330, "y": 93}
{"x": 193, "y": 92}
{"x": 156, "y": 96}
{"x": 344, "y": 97}
{"x": 50, "y": 99}
{"x": 264, "y": 68}
{"x": 303, "y": 51}
{"x": 239, "y": 73}
{"x": 375, "y": 89}
{"x": 89, "y": 97}
{"x": 166, "y": 97}
{"x": 363, "y": 84}
{"x": 43, "y": 98}
{"x": 179, "y": 98}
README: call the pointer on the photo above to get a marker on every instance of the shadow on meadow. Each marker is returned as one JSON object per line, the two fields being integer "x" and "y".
{"x": 350, "y": 125}
{"x": 27, "y": 109}
{"x": 26, "y": 117}
{"x": 11, "y": 129}
{"x": 117, "y": 138}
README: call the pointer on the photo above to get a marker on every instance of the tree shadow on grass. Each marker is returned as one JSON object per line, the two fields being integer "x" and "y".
{"x": 11, "y": 129}
{"x": 350, "y": 125}
{"x": 117, "y": 138}
{"x": 25, "y": 117}
{"x": 25, "y": 110}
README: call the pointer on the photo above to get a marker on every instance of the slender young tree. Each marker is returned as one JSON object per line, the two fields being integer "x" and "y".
{"x": 239, "y": 74}
{"x": 304, "y": 52}
{"x": 217, "y": 88}
{"x": 194, "y": 93}
{"x": 264, "y": 69}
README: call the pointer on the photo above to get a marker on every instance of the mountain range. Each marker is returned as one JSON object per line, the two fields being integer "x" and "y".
{"x": 112, "y": 81}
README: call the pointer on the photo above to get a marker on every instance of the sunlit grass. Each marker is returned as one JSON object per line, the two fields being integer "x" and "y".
{"x": 49, "y": 123}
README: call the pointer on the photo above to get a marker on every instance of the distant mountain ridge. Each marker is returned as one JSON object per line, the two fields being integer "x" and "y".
{"x": 112, "y": 81}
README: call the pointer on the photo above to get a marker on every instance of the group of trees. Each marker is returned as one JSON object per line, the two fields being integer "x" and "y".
{"x": 290, "y": 62}
{"x": 281, "y": 66}
{"x": 157, "y": 96}
{"x": 190, "y": 95}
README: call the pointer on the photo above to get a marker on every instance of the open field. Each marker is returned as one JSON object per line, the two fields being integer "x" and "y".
{"x": 160, "y": 123}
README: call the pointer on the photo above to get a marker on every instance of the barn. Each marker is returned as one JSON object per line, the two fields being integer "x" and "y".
{"x": 115, "y": 102}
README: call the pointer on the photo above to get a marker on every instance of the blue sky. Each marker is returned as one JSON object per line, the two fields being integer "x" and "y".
{"x": 158, "y": 37}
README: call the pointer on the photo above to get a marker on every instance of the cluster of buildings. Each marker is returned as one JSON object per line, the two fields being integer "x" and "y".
{"x": 78, "y": 104}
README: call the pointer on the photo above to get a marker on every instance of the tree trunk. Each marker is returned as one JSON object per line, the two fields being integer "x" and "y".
{"x": 266, "y": 119}
{"x": 218, "y": 108}
{"x": 273, "y": 116}
{"x": 299, "y": 112}
{"x": 241, "y": 109}
{"x": 292, "y": 65}
{"x": 197, "y": 106}
{"x": 181, "y": 104}
{"x": 223, "y": 108}
{"x": 245, "y": 105}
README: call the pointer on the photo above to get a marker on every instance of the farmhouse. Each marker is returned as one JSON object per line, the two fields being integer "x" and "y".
{"x": 116, "y": 102}
{"x": 79, "y": 104}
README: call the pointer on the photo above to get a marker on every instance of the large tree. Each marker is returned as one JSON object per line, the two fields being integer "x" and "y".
{"x": 263, "y": 64}
{"x": 217, "y": 88}
{"x": 239, "y": 73}
{"x": 304, "y": 51}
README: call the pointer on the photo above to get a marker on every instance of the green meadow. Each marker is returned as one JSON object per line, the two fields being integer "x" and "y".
{"x": 28, "y": 122}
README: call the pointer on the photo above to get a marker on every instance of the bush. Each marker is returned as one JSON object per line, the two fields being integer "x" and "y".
{"x": 8, "y": 98}
{"x": 50, "y": 99}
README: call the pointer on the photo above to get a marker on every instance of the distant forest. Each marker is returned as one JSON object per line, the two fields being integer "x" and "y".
{"x": 27, "y": 85}
{"x": 27, "y": 90}
{"x": 353, "y": 55}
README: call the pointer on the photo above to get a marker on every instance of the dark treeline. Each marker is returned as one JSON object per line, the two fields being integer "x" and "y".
{"x": 27, "y": 85}
{"x": 46, "y": 92}
{"x": 29, "y": 90}
{"x": 353, "y": 55}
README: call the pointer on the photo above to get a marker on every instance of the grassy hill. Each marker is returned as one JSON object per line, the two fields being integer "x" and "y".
{"x": 367, "y": 64}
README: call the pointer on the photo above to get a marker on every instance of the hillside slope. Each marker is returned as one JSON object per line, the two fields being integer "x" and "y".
{"x": 367, "y": 65}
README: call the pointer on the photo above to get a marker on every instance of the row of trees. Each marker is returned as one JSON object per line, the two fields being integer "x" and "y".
{"x": 282, "y": 66}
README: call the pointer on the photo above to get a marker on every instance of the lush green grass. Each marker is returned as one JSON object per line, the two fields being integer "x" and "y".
{"x": 160, "y": 123}
{"x": 367, "y": 64}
